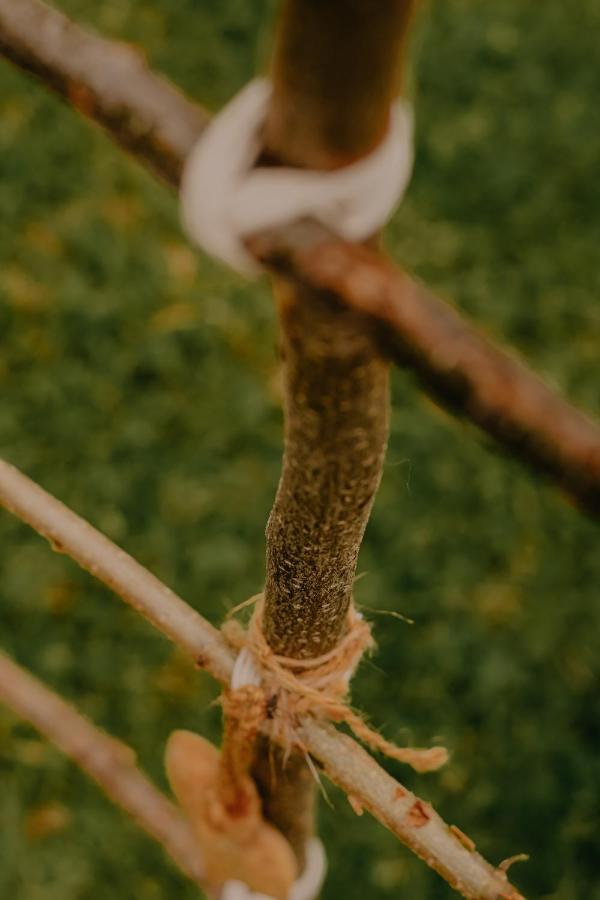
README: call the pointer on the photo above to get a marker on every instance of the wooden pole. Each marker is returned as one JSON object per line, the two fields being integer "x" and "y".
{"x": 335, "y": 72}
{"x": 337, "y": 66}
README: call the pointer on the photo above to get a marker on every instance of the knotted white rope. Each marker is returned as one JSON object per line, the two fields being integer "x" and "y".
{"x": 225, "y": 198}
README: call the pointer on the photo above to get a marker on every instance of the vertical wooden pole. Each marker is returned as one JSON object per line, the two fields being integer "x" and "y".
{"x": 337, "y": 66}
{"x": 336, "y": 69}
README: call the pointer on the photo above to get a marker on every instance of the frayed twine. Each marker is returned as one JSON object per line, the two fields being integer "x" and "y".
{"x": 296, "y": 688}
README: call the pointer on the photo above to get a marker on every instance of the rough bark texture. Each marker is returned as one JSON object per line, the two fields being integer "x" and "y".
{"x": 336, "y": 417}
{"x": 336, "y": 68}
{"x": 455, "y": 363}
{"x": 335, "y": 71}
{"x": 345, "y": 762}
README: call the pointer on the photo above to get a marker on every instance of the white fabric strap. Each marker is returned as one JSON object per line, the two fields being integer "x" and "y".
{"x": 224, "y": 198}
{"x": 245, "y": 670}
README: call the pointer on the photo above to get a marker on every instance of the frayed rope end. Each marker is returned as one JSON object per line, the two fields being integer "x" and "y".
{"x": 318, "y": 687}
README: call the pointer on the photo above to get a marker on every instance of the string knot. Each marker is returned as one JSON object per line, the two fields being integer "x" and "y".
{"x": 295, "y": 688}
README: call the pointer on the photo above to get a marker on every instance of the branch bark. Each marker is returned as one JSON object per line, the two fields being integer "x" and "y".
{"x": 107, "y": 761}
{"x": 335, "y": 71}
{"x": 464, "y": 370}
{"x": 69, "y": 533}
{"x": 106, "y": 81}
{"x": 43, "y": 42}
{"x": 455, "y": 363}
{"x": 343, "y": 760}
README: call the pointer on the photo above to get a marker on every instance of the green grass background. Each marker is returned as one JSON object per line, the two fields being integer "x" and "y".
{"x": 139, "y": 383}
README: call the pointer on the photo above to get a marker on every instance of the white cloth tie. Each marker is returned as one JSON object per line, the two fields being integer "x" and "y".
{"x": 225, "y": 198}
{"x": 245, "y": 670}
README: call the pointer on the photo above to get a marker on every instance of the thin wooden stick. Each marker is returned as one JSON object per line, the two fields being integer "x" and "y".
{"x": 414, "y": 821}
{"x": 344, "y": 761}
{"x": 107, "y": 761}
{"x": 70, "y": 534}
{"x": 156, "y": 123}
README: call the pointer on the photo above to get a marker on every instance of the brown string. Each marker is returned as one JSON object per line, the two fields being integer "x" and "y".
{"x": 294, "y": 688}
{"x": 244, "y": 711}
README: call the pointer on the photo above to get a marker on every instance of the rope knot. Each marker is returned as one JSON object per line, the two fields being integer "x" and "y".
{"x": 292, "y": 689}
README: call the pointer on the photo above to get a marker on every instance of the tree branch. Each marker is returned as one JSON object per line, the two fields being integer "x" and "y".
{"x": 463, "y": 369}
{"x": 70, "y": 534}
{"x": 344, "y": 761}
{"x": 107, "y": 761}
{"x": 334, "y": 74}
{"x": 444, "y": 848}
{"x": 456, "y": 363}
{"x": 106, "y": 81}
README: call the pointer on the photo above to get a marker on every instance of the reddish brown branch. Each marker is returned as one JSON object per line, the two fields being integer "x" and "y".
{"x": 108, "y": 82}
{"x": 464, "y": 369}
{"x": 456, "y": 363}
{"x": 107, "y": 761}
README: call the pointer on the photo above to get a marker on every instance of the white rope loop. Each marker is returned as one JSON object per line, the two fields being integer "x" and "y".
{"x": 224, "y": 198}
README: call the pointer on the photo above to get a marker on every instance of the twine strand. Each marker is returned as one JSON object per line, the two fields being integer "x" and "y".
{"x": 293, "y": 688}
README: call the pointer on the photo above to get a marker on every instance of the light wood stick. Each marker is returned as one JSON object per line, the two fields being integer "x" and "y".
{"x": 107, "y": 761}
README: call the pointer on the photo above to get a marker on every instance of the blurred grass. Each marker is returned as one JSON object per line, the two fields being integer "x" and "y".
{"x": 139, "y": 383}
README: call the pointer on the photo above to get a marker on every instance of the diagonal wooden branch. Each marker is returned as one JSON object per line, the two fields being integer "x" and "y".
{"x": 411, "y": 819}
{"x": 107, "y": 761}
{"x": 69, "y": 533}
{"x": 455, "y": 363}
{"x": 107, "y": 81}
{"x": 463, "y": 369}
